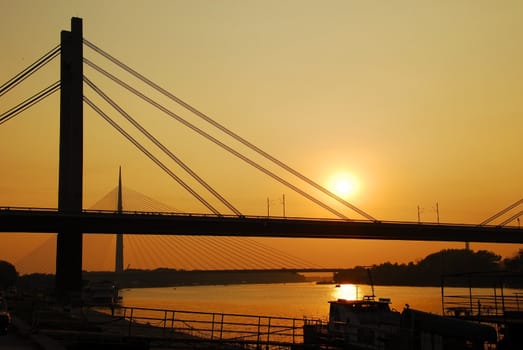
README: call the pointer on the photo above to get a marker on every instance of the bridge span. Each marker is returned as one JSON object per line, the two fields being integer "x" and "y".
{"x": 52, "y": 220}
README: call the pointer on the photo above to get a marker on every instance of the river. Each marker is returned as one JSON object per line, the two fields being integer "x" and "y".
{"x": 296, "y": 300}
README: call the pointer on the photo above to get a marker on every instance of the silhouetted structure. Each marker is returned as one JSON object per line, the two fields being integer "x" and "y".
{"x": 69, "y": 240}
{"x": 70, "y": 221}
{"x": 118, "y": 264}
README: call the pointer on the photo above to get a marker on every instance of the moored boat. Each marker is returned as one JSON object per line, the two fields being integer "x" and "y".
{"x": 103, "y": 293}
{"x": 372, "y": 324}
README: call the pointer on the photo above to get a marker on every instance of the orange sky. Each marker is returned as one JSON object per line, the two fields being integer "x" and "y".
{"x": 418, "y": 101}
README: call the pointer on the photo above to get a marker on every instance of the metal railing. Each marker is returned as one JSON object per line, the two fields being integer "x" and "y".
{"x": 267, "y": 331}
{"x": 166, "y": 327}
{"x": 271, "y": 217}
{"x": 482, "y": 304}
{"x": 491, "y": 294}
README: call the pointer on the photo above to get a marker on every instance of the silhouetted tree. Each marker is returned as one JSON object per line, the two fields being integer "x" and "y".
{"x": 36, "y": 282}
{"x": 459, "y": 261}
{"x": 427, "y": 271}
{"x": 515, "y": 263}
{"x": 8, "y": 274}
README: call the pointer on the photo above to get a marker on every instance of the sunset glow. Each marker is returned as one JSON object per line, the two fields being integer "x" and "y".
{"x": 344, "y": 185}
{"x": 392, "y": 106}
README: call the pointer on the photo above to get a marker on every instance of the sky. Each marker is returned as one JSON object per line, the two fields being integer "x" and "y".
{"x": 417, "y": 104}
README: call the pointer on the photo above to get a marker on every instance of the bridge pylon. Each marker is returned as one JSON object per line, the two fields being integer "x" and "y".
{"x": 70, "y": 178}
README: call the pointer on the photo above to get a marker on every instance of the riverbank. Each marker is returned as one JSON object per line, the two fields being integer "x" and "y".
{"x": 44, "y": 283}
{"x": 173, "y": 278}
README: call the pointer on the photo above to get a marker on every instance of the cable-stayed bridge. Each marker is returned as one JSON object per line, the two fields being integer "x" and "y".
{"x": 70, "y": 219}
{"x": 180, "y": 252}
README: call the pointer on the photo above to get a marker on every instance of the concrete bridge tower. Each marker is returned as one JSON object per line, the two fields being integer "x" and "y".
{"x": 70, "y": 178}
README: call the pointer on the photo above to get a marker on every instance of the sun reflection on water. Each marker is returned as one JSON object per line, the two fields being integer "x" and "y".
{"x": 346, "y": 291}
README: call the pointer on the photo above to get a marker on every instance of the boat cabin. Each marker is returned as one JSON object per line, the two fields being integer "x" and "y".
{"x": 368, "y": 322}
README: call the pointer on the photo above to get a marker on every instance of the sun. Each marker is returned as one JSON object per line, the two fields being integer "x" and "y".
{"x": 343, "y": 185}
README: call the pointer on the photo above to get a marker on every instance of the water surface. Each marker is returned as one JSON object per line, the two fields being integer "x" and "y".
{"x": 295, "y": 300}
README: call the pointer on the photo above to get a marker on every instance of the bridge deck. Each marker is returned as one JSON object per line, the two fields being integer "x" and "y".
{"x": 51, "y": 220}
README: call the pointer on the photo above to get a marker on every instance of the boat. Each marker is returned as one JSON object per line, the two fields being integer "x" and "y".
{"x": 101, "y": 293}
{"x": 356, "y": 324}
{"x": 372, "y": 324}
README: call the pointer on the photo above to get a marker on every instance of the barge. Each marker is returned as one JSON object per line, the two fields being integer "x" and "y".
{"x": 373, "y": 325}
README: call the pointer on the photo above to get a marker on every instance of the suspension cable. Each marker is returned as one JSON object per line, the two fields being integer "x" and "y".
{"x": 151, "y": 156}
{"x": 227, "y": 131}
{"x": 227, "y": 246}
{"x": 162, "y": 147}
{"x": 512, "y": 218}
{"x": 277, "y": 253}
{"x": 214, "y": 140}
{"x": 17, "y": 79}
{"x": 257, "y": 257}
{"x": 502, "y": 212}
{"x": 39, "y": 96}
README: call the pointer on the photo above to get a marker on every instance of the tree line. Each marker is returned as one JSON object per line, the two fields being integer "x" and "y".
{"x": 425, "y": 272}
{"x": 428, "y": 271}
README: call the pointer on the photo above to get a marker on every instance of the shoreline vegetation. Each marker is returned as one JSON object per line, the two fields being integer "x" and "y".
{"x": 425, "y": 272}
{"x": 429, "y": 271}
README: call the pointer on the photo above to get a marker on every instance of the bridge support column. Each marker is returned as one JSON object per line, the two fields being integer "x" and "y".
{"x": 118, "y": 264}
{"x": 70, "y": 177}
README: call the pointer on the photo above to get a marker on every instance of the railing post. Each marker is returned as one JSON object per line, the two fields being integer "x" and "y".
{"x": 293, "y": 330}
{"x": 221, "y": 328}
{"x": 130, "y": 321}
{"x": 268, "y": 330}
{"x": 212, "y": 326}
{"x": 502, "y": 298}
{"x": 470, "y": 297}
{"x": 442, "y": 295}
{"x": 164, "y": 321}
{"x": 259, "y": 330}
{"x": 495, "y": 301}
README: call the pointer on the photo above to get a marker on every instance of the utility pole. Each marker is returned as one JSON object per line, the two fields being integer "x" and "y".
{"x": 283, "y": 203}
{"x": 68, "y": 282}
{"x": 118, "y": 264}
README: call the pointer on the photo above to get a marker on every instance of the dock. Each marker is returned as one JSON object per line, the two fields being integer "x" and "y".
{"x": 54, "y": 327}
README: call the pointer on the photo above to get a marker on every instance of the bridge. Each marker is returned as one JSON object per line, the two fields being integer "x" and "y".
{"x": 51, "y": 220}
{"x": 70, "y": 220}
